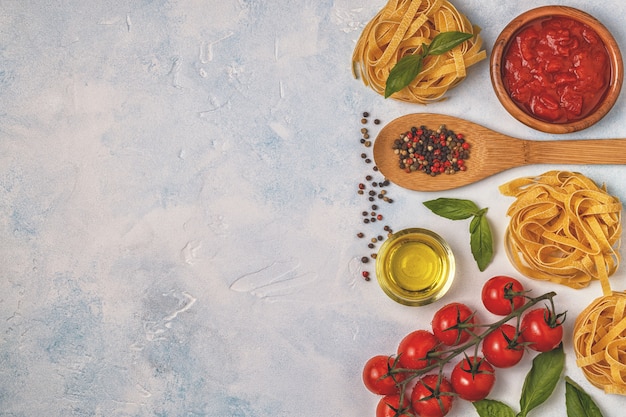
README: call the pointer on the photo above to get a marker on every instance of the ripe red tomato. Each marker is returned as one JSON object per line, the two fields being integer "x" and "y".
{"x": 447, "y": 320}
{"x": 428, "y": 400}
{"x": 501, "y": 347}
{"x": 376, "y": 375}
{"x": 542, "y": 329}
{"x": 414, "y": 348}
{"x": 497, "y": 295}
{"x": 389, "y": 406}
{"x": 472, "y": 378}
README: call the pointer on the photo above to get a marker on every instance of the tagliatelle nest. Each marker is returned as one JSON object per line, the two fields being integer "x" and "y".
{"x": 600, "y": 342}
{"x": 400, "y": 29}
{"x": 563, "y": 228}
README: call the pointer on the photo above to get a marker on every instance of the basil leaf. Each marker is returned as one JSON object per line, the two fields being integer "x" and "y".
{"x": 403, "y": 73}
{"x": 578, "y": 403}
{"x": 452, "y": 208}
{"x": 492, "y": 408}
{"x": 407, "y": 68}
{"x": 542, "y": 379}
{"x": 481, "y": 241}
{"x": 446, "y": 41}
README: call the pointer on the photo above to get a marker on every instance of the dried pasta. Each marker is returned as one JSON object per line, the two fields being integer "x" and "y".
{"x": 563, "y": 228}
{"x": 600, "y": 342}
{"x": 567, "y": 230}
{"x": 399, "y": 29}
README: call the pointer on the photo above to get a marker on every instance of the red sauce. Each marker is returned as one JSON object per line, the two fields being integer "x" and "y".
{"x": 557, "y": 69}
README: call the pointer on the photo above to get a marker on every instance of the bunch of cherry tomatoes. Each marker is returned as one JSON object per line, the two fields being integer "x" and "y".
{"x": 412, "y": 382}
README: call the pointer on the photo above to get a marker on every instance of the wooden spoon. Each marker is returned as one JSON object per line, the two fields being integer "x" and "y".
{"x": 490, "y": 153}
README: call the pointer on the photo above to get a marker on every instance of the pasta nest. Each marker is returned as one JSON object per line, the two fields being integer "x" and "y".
{"x": 563, "y": 228}
{"x": 600, "y": 342}
{"x": 400, "y": 29}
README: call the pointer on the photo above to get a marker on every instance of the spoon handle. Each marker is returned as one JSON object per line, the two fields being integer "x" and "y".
{"x": 581, "y": 152}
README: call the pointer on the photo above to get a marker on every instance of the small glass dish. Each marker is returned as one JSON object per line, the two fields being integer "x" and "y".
{"x": 415, "y": 267}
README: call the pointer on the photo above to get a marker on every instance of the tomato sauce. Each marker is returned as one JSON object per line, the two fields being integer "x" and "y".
{"x": 557, "y": 69}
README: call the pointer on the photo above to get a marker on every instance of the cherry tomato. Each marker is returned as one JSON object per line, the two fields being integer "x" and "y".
{"x": 497, "y": 295}
{"x": 414, "y": 348}
{"x": 472, "y": 378}
{"x": 542, "y": 329}
{"x": 389, "y": 406}
{"x": 376, "y": 375}
{"x": 501, "y": 348}
{"x": 430, "y": 400}
{"x": 449, "y": 316}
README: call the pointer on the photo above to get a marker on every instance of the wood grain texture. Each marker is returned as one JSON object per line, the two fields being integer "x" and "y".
{"x": 491, "y": 152}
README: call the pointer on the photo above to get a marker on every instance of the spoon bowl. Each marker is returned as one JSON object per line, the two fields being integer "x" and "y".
{"x": 491, "y": 152}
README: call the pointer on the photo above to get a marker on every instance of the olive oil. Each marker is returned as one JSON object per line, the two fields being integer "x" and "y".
{"x": 415, "y": 267}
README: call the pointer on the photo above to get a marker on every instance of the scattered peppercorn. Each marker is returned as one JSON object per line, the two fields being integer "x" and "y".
{"x": 373, "y": 189}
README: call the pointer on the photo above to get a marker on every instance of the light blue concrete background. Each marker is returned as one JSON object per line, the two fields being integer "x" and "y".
{"x": 178, "y": 208}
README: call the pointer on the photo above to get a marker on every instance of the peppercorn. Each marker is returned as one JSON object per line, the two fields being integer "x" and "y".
{"x": 363, "y": 121}
{"x": 366, "y": 114}
{"x": 366, "y": 275}
{"x": 431, "y": 151}
{"x": 376, "y": 121}
{"x": 360, "y": 235}
{"x": 365, "y": 259}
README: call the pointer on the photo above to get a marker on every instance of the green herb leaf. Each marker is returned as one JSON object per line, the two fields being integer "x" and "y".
{"x": 403, "y": 73}
{"x": 445, "y": 41}
{"x": 542, "y": 379}
{"x": 407, "y": 68}
{"x": 453, "y": 208}
{"x": 481, "y": 241}
{"x": 578, "y": 402}
{"x": 492, "y": 408}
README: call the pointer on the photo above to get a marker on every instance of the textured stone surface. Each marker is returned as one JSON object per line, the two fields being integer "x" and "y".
{"x": 178, "y": 208}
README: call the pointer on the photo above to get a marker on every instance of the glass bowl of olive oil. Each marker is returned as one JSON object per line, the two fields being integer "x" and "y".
{"x": 415, "y": 267}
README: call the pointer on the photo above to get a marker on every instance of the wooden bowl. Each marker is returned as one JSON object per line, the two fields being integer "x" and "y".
{"x": 524, "y": 115}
